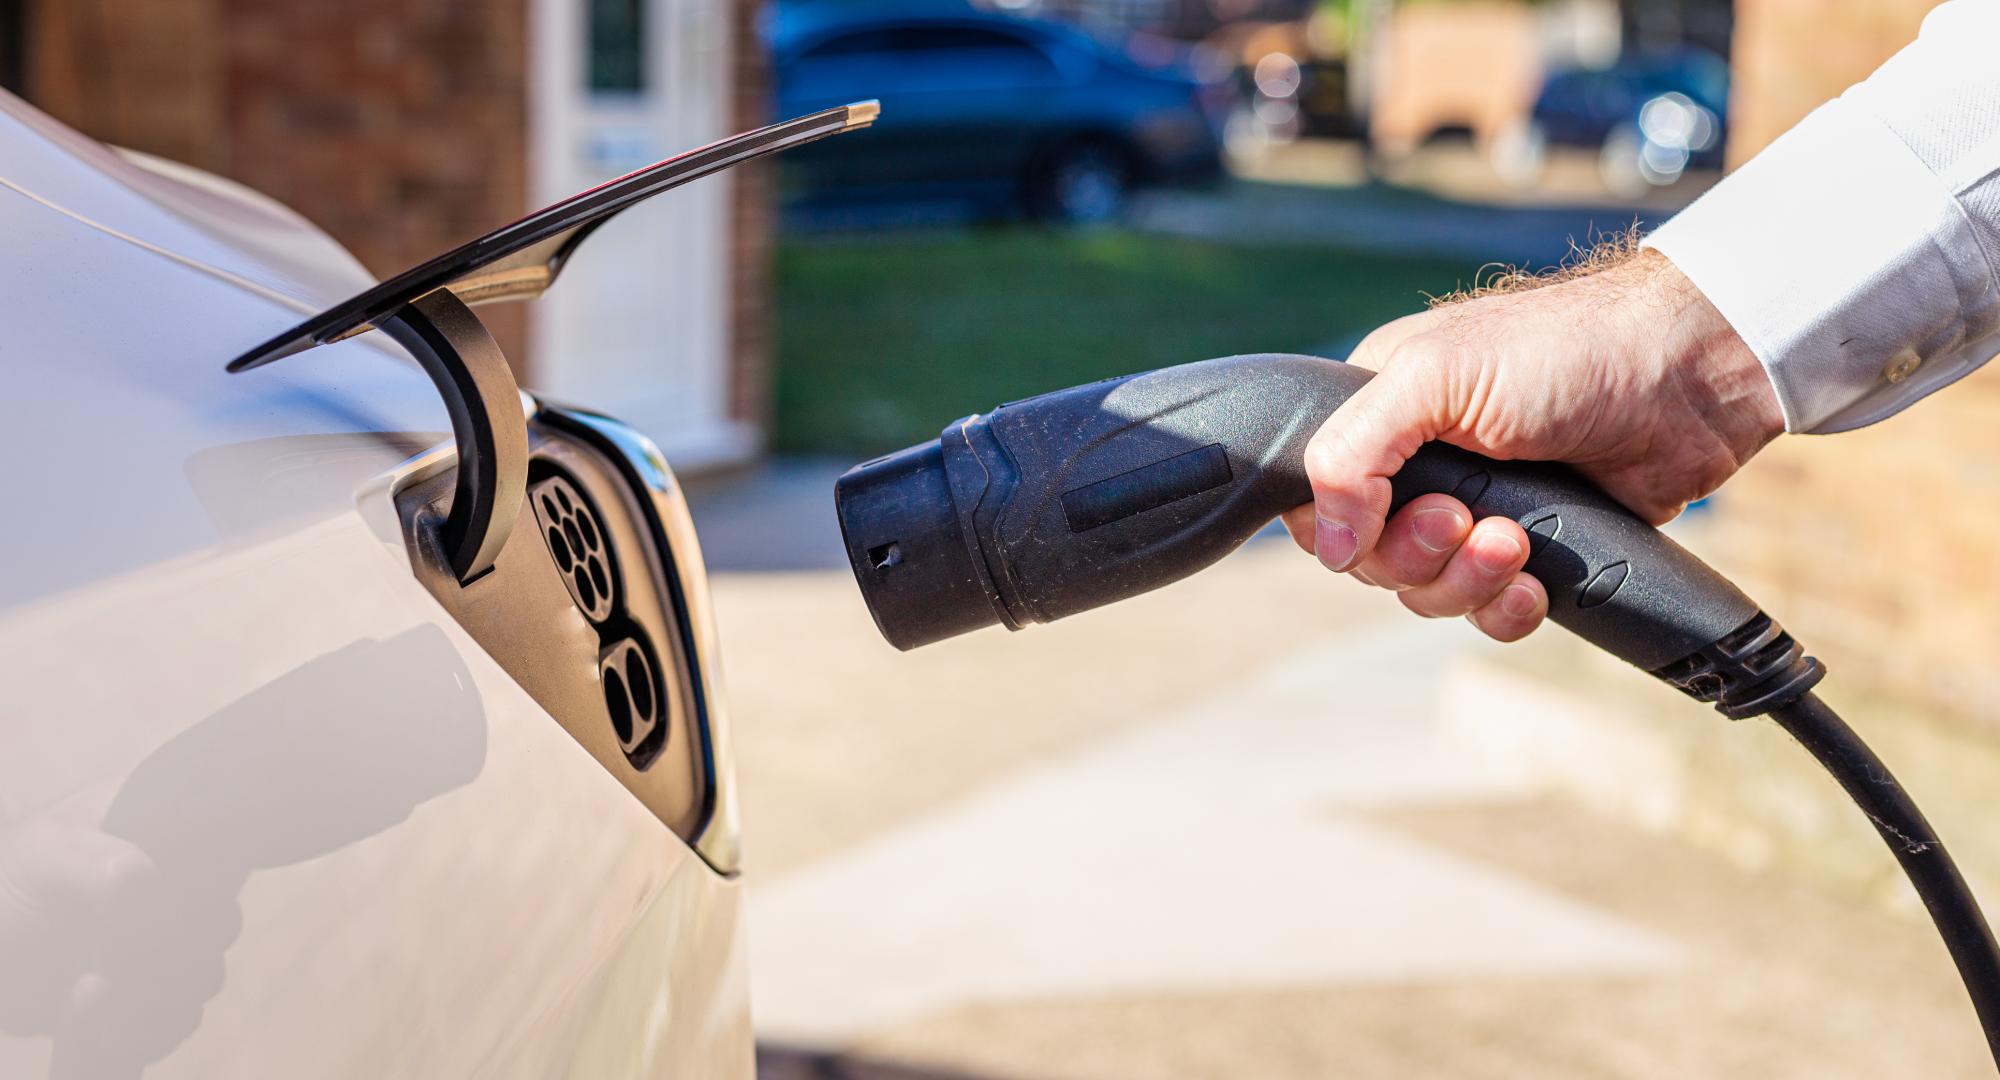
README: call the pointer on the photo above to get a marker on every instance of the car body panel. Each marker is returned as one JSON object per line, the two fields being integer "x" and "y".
{"x": 366, "y": 850}
{"x": 1583, "y": 107}
{"x": 180, "y": 212}
{"x": 975, "y": 101}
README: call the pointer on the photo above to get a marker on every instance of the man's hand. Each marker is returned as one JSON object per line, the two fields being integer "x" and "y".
{"x": 1627, "y": 373}
{"x": 63, "y": 882}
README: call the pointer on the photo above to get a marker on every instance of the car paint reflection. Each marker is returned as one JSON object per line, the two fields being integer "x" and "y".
{"x": 121, "y": 979}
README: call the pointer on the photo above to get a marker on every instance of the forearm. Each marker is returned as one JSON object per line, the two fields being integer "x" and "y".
{"x": 1855, "y": 256}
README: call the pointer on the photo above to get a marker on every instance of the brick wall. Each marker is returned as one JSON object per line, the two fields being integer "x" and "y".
{"x": 397, "y": 125}
{"x": 752, "y": 312}
{"x": 1471, "y": 63}
{"x": 140, "y": 73}
{"x": 400, "y": 126}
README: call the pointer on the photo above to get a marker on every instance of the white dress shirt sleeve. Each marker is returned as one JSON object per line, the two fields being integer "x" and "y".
{"x": 1855, "y": 255}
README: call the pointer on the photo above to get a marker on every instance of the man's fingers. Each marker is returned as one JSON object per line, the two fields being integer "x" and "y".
{"x": 1299, "y": 522}
{"x": 1364, "y": 442}
{"x": 1515, "y": 613}
{"x": 1417, "y": 542}
{"x": 1482, "y": 567}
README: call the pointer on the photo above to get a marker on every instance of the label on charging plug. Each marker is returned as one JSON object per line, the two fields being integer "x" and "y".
{"x": 1146, "y": 488}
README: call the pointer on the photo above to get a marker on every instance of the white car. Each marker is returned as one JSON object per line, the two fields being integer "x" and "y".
{"x": 361, "y": 714}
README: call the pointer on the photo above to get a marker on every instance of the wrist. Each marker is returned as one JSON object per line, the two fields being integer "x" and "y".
{"x": 1705, "y": 359}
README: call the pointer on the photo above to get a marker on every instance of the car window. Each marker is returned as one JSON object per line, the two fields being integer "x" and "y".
{"x": 926, "y": 57}
{"x": 616, "y": 53}
{"x": 923, "y": 38}
{"x": 867, "y": 41}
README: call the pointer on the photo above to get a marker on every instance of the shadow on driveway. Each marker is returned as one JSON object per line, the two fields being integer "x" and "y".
{"x": 778, "y": 516}
{"x": 788, "y": 1063}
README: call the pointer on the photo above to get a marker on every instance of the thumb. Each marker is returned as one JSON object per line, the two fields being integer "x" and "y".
{"x": 1353, "y": 455}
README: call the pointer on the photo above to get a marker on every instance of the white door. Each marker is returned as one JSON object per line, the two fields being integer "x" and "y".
{"x": 638, "y": 323}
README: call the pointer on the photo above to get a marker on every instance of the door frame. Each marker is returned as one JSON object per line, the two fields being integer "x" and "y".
{"x": 688, "y": 101}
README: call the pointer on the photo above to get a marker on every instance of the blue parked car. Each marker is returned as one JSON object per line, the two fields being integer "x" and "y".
{"x": 1005, "y": 112}
{"x": 1650, "y": 117}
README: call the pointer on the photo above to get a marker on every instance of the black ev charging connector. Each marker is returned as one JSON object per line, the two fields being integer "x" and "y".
{"x": 1054, "y": 505}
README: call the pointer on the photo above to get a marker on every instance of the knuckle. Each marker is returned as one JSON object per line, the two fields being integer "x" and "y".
{"x": 1342, "y": 453}
{"x": 1375, "y": 350}
{"x": 1417, "y": 606}
{"x": 1398, "y": 560}
{"x": 1324, "y": 457}
{"x": 1471, "y": 595}
{"x": 1439, "y": 599}
{"x": 1425, "y": 351}
{"x": 1383, "y": 576}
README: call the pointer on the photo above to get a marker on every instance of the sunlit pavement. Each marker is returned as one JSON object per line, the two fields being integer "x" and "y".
{"x": 1458, "y": 170}
{"x": 1230, "y": 830}
{"x": 1444, "y": 200}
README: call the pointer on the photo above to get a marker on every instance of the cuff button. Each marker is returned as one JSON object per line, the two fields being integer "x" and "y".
{"x": 1902, "y": 365}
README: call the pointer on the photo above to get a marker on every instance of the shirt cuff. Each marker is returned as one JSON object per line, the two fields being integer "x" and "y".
{"x": 1847, "y": 267}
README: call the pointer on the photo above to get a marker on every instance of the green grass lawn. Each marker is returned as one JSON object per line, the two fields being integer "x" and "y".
{"x": 884, "y": 339}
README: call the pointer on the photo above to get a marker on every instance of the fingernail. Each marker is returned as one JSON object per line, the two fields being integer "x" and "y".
{"x": 1496, "y": 554}
{"x": 1438, "y": 529}
{"x": 1335, "y": 544}
{"x": 1518, "y": 601}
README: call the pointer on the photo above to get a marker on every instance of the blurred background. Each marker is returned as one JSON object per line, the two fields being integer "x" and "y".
{"x": 1261, "y": 823}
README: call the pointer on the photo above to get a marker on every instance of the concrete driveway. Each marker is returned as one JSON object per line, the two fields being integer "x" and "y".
{"x": 1247, "y": 826}
{"x": 1444, "y": 200}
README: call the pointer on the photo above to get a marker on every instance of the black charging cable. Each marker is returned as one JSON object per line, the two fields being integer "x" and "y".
{"x": 1916, "y": 846}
